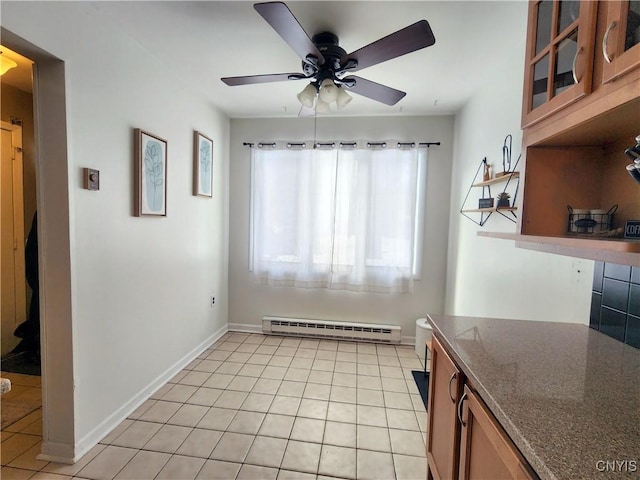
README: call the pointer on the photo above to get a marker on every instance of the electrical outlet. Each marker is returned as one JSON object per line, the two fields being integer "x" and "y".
{"x": 213, "y": 301}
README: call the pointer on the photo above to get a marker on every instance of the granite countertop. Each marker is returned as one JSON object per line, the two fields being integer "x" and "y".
{"x": 567, "y": 395}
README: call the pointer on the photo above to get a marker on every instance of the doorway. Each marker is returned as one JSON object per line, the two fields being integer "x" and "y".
{"x": 12, "y": 263}
{"x": 17, "y": 209}
{"x": 17, "y": 189}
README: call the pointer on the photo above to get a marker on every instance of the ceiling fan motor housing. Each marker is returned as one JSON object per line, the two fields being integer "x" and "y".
{"x": 327, "y": 44}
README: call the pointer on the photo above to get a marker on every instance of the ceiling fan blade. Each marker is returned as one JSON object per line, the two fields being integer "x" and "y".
{"x": 409, "y": 39}
{"x": 251, "y": 79}
{"x": 375, "y": 91}
{"x": 278, "y": 15}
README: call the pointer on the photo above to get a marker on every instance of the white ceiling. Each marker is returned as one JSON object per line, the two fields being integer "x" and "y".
{"x": 209, "y": 40}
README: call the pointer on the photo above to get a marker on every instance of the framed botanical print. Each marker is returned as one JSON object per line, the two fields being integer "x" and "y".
{"x": 202, "y": 165}
{"x": 150, "y": 154}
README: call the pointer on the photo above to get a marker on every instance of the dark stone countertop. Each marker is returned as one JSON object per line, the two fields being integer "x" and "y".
{"x": 567, "y": 395}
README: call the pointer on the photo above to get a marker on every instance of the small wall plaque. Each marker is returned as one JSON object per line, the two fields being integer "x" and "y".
{"x": 632, "y": 229}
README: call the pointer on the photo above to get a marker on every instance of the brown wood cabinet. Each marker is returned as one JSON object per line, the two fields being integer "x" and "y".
{"x": 485, "y": 450}
{"x": 464, "y": 440}
{"x": 443, "y": 437}
{"x": 573, "y": 145}
{"x": 559, "y": 56}
{"x": 621, "y": 40}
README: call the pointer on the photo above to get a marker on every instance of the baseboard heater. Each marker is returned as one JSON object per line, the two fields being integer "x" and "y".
{"x": 303, "y": 327}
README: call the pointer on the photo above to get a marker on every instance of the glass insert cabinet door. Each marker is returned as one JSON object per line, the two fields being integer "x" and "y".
{"x": 559, "y": 58}
{"x": 621, "y": 41}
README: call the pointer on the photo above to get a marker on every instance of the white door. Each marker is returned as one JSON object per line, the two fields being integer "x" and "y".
{"x": 12, "y": 279}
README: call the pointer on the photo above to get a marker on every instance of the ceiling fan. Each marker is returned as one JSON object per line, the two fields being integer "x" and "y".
{"x": 328, "y": 66}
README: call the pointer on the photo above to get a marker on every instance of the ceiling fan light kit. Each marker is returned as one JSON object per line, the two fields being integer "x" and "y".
{"x": 328, "y": 91}
{"x": 322, "y": 106}
{"x": 308, "y": 95}
{"x": 343, "y": 98}
{"x": 326, "y": 64}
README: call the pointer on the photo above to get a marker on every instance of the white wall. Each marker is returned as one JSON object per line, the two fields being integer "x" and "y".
{"x": 490, "y": 277}
{"x": 249, "y": 301}
{"x": 140, "y": 287}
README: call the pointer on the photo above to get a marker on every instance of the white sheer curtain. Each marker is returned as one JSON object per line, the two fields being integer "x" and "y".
{"x": 335, "y": 218}
{"x": 292, "y": 216}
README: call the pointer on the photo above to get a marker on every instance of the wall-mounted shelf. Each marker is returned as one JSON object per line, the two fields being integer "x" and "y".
{"x": 485, "y": 213}
{"x": 495, "y": 180}
{"x": 488, "y": 210}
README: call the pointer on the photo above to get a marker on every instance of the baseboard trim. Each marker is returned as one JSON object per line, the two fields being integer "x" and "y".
{"x": 56, "y": 452}
{"x": 61, "y": 452}
{"x": 245, "y": 327}
{"x": 408, "y": 341}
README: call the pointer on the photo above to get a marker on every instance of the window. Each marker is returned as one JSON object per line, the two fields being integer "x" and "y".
{"x": 340, "y": 218}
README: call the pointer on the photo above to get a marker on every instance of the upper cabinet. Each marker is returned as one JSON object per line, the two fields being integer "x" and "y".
{"x": 621, "y": 40}
{"x": 559, "y": 56}
{"x": 581, "y": 110}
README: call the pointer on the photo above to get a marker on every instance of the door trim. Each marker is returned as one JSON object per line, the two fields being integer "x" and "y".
{"x": 55, "y": 255}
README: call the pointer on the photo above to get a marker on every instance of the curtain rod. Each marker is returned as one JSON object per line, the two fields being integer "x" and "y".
{"x": 369, "y": 144}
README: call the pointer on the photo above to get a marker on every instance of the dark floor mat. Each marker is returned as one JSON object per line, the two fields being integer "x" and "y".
{"x": 22, "y": 362}
{"x": 422, "y": 381}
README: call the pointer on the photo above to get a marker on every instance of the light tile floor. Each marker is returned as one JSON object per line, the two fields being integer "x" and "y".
{"x": 258, "y": 407}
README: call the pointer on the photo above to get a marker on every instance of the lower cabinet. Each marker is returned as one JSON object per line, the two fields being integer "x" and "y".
{"x": 464, "y": 440}
{"x": 485, "y": 450}
{"x": 443, "y": 432}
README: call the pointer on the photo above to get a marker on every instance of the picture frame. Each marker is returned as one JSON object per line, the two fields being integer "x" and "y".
{"x": 150, "y": 182}
{"x": 202, "y": 165}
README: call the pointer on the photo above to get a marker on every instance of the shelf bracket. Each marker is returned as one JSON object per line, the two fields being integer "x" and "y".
{"x": 483, "y": 219}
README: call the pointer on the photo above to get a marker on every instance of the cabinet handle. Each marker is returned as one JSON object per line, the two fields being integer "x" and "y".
{"x": 453, "y": 375}
{"x": 460, "y": 409}
{"x": 573, "y": 66}
{"x": 605, "y": 40}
